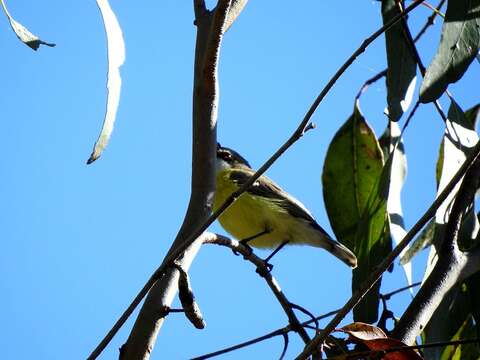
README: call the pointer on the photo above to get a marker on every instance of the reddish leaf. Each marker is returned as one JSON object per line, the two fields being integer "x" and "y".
{"x": 375, "y": 339}
{"x": 388, "y": 343}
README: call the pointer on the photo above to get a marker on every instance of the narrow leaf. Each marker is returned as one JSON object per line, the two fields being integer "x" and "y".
{"x": 398, "y": 173}
{"x": 23, "y": 34}
{"x": 423, "y": 240}
{"x": 459, "y": 138}
{"x": 116, "y": 57}
{"x": 459, "y": 44}
{"x": 473, "y": 290}
{"x": 354, "y": 168}
{"x": 463, "y": 351}
{"x": 446, "y": 320}
{"x": 401, "y": 71}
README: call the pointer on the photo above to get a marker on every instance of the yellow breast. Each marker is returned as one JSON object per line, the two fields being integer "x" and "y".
{"x": 250, "y": 215}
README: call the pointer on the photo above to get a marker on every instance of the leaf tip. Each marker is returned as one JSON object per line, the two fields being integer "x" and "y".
{"x": 92, "y": 158}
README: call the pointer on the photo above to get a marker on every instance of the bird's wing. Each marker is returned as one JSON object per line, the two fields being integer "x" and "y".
{"x": 268, "y": 189}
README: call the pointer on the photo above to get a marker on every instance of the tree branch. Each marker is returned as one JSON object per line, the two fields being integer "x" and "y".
{"x": 263, "y": 271}
{"x": 210, "y": 27}
{"x": 235, "y": 9}
{"x": 385, "y": 264}
{"x": 186, "y": 238}
{"x": 452, "y": 267}
{"x": 287, "y": 329}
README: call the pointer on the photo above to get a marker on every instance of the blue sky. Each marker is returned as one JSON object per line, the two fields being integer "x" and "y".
{"x": 79, "y": 241}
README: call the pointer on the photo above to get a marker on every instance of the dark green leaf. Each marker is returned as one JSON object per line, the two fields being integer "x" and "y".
{"x": 464, "y": 351}
{"x": 23, "y": 34}
{"x": 447, "y": 319}
{"x": 458, "y": 47}
{"x": 472, "y": 116}
{"x": 353, "y": 168}
{"x": 473, "y": 289}
{"x": 401, "y": 64}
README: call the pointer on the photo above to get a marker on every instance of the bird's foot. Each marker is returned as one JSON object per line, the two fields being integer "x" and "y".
{"x": 244, "y": 242}
{"x": 266, "y": 269}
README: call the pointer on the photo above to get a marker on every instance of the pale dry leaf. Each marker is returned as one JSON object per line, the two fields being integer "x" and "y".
{"x": 23, "y": 34}
{"x": 116, "y": 58}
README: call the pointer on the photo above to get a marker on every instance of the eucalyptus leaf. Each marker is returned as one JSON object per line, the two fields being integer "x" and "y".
{"x": 353, "y": 168}
{"x": 423, "y": 240}
{"x": 401, "y": 71}
{"x": 392, "y": 145}
{"x": 23, "y": 34}
{"x": 458, "y": 140}
{"x": 459, "y": 44}
{"x": 463, "y": 351}
{"x": 447, "y": 319}
{"x": 473, "y": 288}
{"x": 116, "y": 58}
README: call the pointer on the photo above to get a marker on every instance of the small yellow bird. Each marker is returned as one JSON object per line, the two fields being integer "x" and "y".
{"x": 265, "y": 215}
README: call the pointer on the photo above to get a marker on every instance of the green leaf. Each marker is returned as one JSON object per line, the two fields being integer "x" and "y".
{"x": 458, "y": 47}
{"x": 473, "y": 289}
{"x": 447, "y": 319}
{"x": 23, "y": 34}
{"x": 472, "y": 115}
{"x": 463, "y": 351}
{"x": 402, "y": 66}
{"x": 353, "y": 168}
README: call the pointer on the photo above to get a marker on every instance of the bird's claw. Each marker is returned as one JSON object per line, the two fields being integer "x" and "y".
{"x": 248, "y": 247}
{"x": 266, "y": 269}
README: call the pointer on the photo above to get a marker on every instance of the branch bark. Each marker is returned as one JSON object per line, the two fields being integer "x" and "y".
{"x": 452, "y": 267}
{"x": 210, "y": 30}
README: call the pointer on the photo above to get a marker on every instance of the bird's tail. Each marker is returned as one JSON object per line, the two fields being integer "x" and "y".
{"x": 343, "y": 253}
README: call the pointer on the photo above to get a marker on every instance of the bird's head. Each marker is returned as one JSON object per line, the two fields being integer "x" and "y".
{"x": 228, "y": 158}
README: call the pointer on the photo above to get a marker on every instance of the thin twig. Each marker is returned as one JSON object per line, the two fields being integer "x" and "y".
{"x": 381, "y": 74}
{"x": 387, "y": 296}
{"x": 280, "y": 331}
{"x": 297, "y": 134}
{"x": 263, "y": 271}
{"x": 430, "y": 21}
{"x": 385, "y": 264}
{"x": 411, "y": 42}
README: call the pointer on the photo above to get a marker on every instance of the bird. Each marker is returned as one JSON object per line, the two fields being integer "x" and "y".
{"x": 265, "y": 216}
